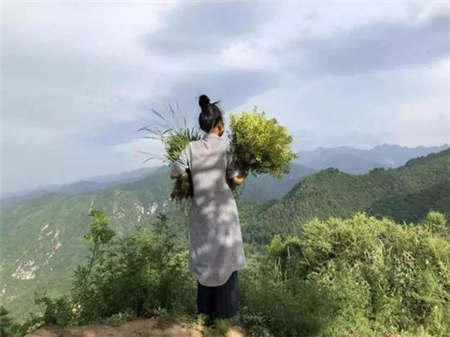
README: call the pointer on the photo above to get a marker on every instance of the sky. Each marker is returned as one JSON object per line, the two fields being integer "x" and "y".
{"x": 80, "y": 78}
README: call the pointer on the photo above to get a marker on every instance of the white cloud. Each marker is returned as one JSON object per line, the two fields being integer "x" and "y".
{"x": 248, "y": 56}
{"x": 79, "y": 79}
{"x": 403, "y": 107}
{"x": 138, "y": 151}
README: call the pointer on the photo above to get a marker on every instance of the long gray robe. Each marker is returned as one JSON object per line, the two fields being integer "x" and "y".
{"x": 216, "y": 247}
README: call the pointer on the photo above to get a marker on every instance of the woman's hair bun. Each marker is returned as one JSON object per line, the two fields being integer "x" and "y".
{"x": 203, "y": 101}
{"x": 210, "y": 116}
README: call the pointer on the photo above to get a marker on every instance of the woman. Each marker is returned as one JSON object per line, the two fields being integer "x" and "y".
{"x": 216, "y": 248}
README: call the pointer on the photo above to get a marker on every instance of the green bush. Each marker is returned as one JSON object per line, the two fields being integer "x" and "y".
{"x": 353, "y": 277}
{"x": 8, "y": 328}
{"x": 380, "y": 279}
{"x": 141, "y": 274}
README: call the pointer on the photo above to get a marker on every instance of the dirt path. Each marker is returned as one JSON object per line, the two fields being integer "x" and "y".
{"x": 148, "y": 327}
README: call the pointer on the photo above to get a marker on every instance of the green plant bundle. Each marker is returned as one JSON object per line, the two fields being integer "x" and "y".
{"x": 175, "y": 141}
{"x": 261, "y": 144}
{"x": 175, "y": 137}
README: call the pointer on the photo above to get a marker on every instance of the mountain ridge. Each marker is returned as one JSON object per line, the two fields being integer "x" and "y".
{"x": 405, "y": 193}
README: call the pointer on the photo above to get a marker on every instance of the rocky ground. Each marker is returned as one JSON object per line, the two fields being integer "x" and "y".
{"x": 148, "y": 327}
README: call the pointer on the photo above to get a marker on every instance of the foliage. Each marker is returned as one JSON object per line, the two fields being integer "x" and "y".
{"x": 175, "y": 138}
{"x": 359, "y": 276}
{"x": 141, "y": 274}
{"x": 120, "y": 318}
{"x": 99, "y": 231}
{"x": 356, "y": 277}
{"x": 8, "y": 328}
{"x": 436, "y": 223}
{"x": 418, "y": 187}
{"x": 275, "y": 305}
{"x": 261, "y": 144}
{"x": 57, "y": 311}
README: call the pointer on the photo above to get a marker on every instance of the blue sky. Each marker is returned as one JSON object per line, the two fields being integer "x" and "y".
{"x": 78, "y": 79}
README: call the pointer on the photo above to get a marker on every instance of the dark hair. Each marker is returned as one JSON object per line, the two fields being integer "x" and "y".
{"x": 210, "y": 116}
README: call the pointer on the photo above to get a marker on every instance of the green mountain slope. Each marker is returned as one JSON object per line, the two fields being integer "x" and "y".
{"x": 404, "y": 194}
{"x": 42, "y": 239}
{"x": 264, "y": 187}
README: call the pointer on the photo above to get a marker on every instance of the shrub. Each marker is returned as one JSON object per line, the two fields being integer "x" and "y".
{"x": 274, "y": 304}
{"x": 8, "y": 328}
{"x": 354, "y": 277}
{"x": 141, "y": 274}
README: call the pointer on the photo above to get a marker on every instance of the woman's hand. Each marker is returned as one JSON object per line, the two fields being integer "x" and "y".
{"x": 238, "y": 180}
{"x": 174, "y": 175}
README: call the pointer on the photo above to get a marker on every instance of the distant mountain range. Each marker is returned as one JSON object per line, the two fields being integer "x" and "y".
{"x": 355, "y": 161}
{"x": 346, "y": 159}
{"x": 82, "y": 186}
{"x": 42, "y": 238}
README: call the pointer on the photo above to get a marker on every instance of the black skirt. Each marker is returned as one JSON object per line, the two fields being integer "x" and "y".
{"x": 221, "y": 301}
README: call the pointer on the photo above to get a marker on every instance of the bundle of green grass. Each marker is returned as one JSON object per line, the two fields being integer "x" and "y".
{"x": 175, "y": 142}
{"x": 262, "y": 146}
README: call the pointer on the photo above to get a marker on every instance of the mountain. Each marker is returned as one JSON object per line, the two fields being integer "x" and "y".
{"x": 406, "y": 193}
{"x": 42, "y": 239}
{"x": 345, "y": 158}
{"x": 82, "y": 186}
{"x": 258, "y": 189}
{"x": 356, "y": 161}
{"x": 264, "y": 187}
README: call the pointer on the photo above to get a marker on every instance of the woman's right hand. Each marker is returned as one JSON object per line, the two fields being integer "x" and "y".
{"x": 238, "y": 180}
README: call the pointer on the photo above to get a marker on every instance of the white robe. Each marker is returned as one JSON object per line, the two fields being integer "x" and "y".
{"x": 216, "y": 247}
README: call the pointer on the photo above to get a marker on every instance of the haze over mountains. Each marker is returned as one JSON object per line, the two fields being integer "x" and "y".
{"x": 355, "y": 161}
{"x": 42, "y": 238}
{"x": 345, "y": 158}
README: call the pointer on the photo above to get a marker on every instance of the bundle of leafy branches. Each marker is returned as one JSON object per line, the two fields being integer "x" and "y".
{"x": 261, "y": 146}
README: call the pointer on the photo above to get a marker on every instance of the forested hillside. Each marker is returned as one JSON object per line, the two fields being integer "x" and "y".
{"x": 404, "y": 194}
{"x": 42, "y": 239}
